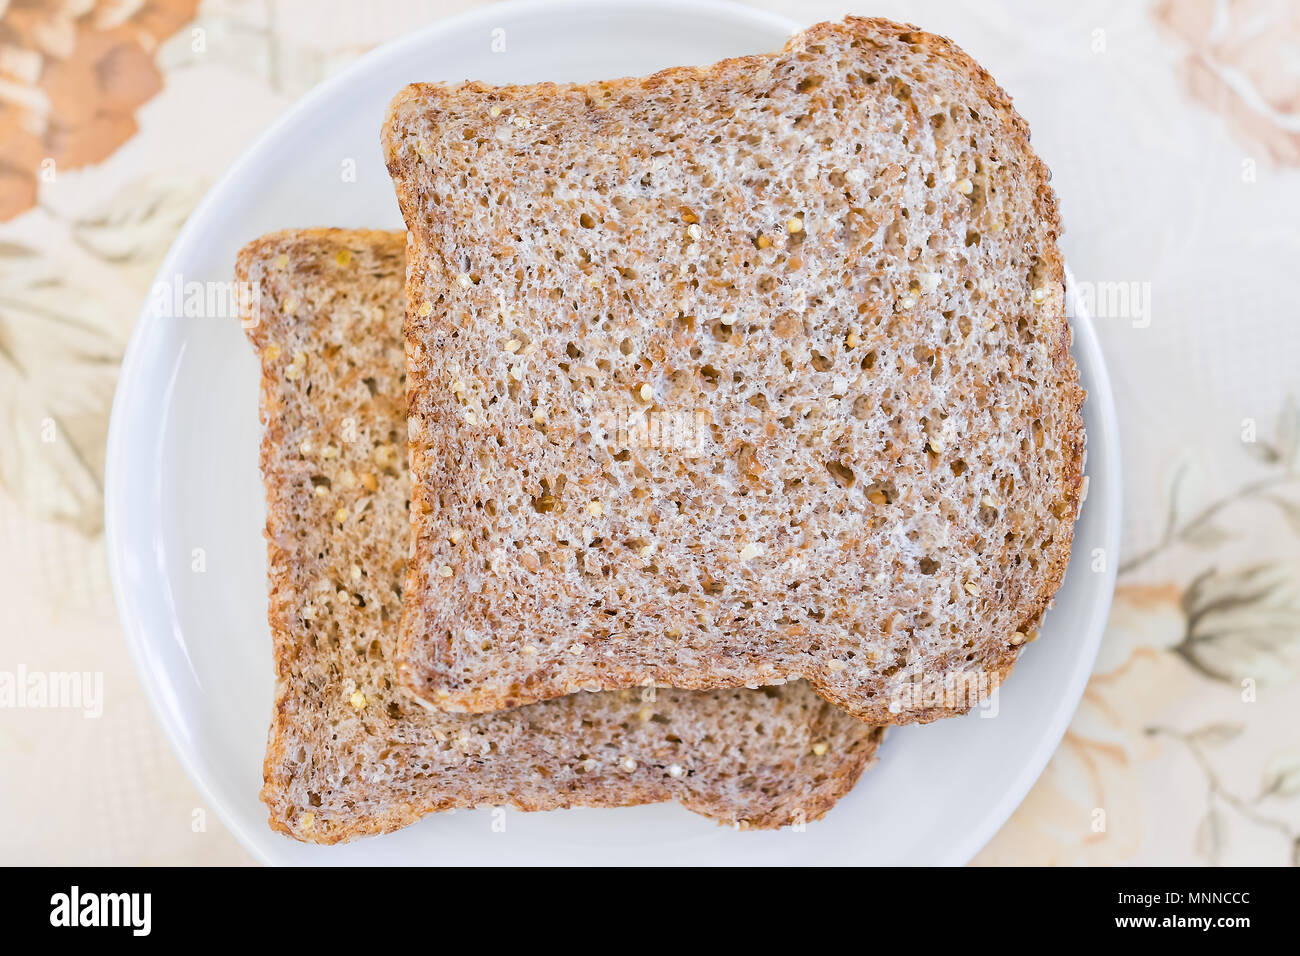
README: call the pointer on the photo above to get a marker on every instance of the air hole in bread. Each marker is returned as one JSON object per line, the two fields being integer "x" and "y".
{"x": 841, "y": 473}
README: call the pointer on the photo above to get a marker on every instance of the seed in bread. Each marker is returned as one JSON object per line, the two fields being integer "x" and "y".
{"x": 717, "y": 371}
{"x": 350, "y": 753}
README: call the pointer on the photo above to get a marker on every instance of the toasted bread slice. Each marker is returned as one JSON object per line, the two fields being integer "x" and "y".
{"x": 349, "y": 752}
{"x": 734, "y": 375}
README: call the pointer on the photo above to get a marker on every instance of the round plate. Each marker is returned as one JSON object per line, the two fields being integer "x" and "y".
{"x": 182, "y": 475}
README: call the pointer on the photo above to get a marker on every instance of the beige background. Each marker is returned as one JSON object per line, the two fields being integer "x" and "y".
{"x": 1173, "y": 130}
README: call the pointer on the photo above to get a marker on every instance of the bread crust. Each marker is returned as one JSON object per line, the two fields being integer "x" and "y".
{"x": 337, "y": 766}
{"x": 435, "y": 658}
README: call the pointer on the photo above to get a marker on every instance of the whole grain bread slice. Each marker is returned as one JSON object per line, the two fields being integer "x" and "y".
{"x": 349, "y": 752}
{"x": 732, "y": 376}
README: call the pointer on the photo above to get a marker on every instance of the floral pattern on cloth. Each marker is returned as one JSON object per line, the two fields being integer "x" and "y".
{"x": 72, "y": 75}
{"x": 1240, "y": 61}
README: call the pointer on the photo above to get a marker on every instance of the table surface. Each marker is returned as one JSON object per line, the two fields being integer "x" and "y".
{"x": 1173, "y": 132}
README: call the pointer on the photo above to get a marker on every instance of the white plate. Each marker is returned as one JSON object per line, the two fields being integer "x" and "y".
{"x": 182, "y": 475}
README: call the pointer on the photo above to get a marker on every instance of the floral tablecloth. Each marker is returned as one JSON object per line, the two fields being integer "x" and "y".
{"x": 1173, "y": 131}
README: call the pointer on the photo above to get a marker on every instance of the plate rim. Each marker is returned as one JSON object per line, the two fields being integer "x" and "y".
{"x": 1103, "y": 432}
{"x": 1085, "y": 340}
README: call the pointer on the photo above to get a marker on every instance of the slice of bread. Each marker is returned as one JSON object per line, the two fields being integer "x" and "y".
{"x": 732, "y": 376}
{"x": 349, "y": 752}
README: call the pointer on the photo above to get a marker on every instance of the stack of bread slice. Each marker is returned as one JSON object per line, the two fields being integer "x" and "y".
{"x": 697, "y": 427}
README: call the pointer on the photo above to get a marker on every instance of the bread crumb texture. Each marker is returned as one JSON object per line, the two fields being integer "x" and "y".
{"x": 349, "y": 752}
{"x": 733, "y": 375}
